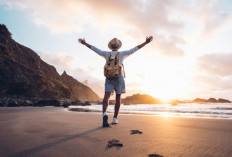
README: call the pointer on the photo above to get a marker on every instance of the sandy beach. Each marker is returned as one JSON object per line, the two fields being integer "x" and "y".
{"x": 50, "y": 131}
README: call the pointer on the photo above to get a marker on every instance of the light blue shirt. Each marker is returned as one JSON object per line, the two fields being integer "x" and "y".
{"x": 122, "y": 54}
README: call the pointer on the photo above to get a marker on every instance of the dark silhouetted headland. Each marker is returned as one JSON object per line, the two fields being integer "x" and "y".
{"x": 140, "y": 99}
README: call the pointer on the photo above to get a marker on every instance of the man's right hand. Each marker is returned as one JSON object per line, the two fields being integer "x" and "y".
{"x": 149, "y": 39}
{"x": 82, "y": 41}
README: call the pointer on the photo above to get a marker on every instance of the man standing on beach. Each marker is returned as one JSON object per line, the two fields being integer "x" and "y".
{"x": 116, "y": 84}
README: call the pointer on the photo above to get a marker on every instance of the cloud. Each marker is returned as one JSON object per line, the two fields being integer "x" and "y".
{"x": 169, "y": 46}
{"x": 213, "y": 75}
{"x": 137, "y": 18}
{"x": 216, "y": 64}
{"x": 61, "y": 61}
{"x": 208, "y": 86}
{"x": 208, "y": 14}
{"x": 145, "y": 17}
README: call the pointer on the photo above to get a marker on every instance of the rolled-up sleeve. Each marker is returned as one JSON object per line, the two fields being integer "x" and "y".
{"x": 100, "y": 52}
{"x": 129, "y": 52}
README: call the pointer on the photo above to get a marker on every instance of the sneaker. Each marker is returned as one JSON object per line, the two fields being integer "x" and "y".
{"x": 115, "y": 121}
{"x": 105, "y": 121}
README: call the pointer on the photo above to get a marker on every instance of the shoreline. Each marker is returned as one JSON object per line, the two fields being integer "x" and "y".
{"x": 149, "y": 113}
{"x": 76, "y": 109}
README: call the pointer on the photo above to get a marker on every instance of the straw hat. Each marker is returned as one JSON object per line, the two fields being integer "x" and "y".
{"x": 115, "y": 44}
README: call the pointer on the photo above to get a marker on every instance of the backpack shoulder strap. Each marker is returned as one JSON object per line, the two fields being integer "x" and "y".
{"x": 109, "y": 56}
{"x": 117, "y": 56}
{"x": 116, "y": 60}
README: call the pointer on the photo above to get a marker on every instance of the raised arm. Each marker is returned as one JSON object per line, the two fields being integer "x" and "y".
{"x": 148, "y": 40}
{"x": 98, "y": 51}
{"x": 125, "y": 54}
{"x": 82, "y": 41}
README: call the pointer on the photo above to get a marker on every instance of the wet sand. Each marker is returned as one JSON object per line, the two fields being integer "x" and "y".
{"x": 55, "y": 132}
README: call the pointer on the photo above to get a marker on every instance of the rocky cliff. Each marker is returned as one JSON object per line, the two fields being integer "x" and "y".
{"x": 24, "y": 74}
{"x": 74, "y": 85}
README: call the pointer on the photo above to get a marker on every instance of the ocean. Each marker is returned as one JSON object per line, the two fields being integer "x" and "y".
{"x": 192, "y": 110}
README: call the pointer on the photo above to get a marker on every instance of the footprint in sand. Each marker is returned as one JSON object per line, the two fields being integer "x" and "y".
{"x": 114, "y": 143}
{"x": 154, "y": 155}
{"x": 136, "y": 132}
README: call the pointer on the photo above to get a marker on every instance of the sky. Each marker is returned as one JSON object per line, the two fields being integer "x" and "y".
{"x": 190, "y": 56}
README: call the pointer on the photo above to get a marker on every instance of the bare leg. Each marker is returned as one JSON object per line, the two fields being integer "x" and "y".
{"x": 117, "y": 105}
{"x": 105, "y": 102}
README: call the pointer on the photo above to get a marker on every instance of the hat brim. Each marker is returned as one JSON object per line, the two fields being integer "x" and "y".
{"x": 115, "y": 48}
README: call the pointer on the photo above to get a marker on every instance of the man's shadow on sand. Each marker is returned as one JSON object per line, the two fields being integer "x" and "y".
{"x": 51, "y": 144}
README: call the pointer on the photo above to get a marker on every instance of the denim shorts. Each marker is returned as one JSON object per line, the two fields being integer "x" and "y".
{"x": 116, "y": 84}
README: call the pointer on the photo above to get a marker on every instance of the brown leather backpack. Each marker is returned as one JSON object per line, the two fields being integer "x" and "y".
{"x": 112, "y": 68}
